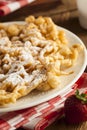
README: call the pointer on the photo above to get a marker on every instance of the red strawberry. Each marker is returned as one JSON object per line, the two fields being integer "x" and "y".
{"x": 75, "y": 108}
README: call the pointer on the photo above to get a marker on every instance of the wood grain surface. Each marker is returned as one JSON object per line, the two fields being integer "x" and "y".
{"x": 65, "y": 14}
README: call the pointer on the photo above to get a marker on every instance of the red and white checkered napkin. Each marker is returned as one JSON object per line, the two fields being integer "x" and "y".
{"x": 40, "y": 116}
{"x": 8, "y": 6}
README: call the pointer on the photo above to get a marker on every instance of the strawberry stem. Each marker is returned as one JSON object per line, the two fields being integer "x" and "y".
{"x": 82, "y": 96}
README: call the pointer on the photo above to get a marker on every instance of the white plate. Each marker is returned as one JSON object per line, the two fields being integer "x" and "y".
{"x": 66, "y": 81}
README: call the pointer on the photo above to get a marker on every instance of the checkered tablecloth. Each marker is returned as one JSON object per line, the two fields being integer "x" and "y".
{"x": 8, "y": 6}
{"x": 42, "y": 115}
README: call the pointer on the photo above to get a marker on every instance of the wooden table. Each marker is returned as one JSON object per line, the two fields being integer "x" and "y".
{"x": 64, "y": 14}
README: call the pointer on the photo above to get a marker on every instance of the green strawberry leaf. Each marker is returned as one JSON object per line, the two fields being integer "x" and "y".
{"x": 82, "y": 97}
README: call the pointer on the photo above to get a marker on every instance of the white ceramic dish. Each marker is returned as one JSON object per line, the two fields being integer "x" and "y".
{"x": 35, "y": 98}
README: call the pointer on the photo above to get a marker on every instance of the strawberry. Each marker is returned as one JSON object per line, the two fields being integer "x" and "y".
{"x": 75, "y": 108}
